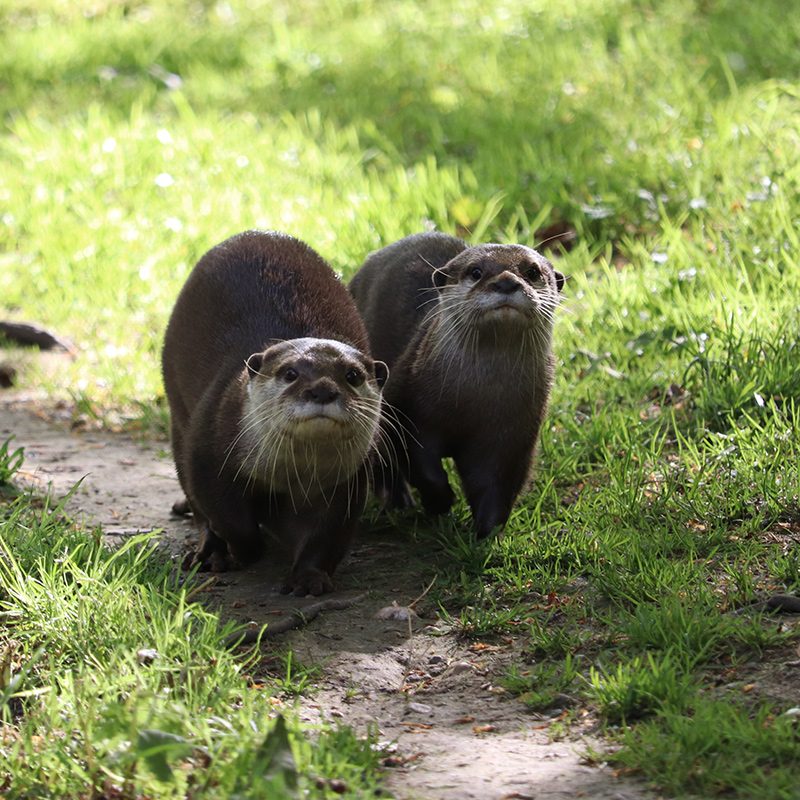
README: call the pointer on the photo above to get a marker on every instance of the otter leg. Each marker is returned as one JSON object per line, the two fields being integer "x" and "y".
{"x": 428, "y": 475}
{"x": 321, "y": 539}
{"x": 390, "y": 485}
{"x": 229, "y": 532}
{"x": 390, "y": 464}
{"x": 491, "y": 486}
{"x": 211, "y": 554}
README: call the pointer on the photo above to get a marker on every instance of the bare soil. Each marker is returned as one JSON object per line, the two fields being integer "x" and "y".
{"x": 452, "y": 733}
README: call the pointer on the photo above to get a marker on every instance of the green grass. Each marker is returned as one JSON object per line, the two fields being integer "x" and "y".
{"x": 667, "y": 492}
{"x": 114, "y": 683}
{"x": 720, "y": 749}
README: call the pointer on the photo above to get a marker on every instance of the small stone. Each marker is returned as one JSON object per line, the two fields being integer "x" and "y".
{"x": 461, "y": 666}
{"x": 146, "y": 656}
{"x": 396, "y": 612}
{"x": 436, "y": 660}
{"x": 419, "y": 708}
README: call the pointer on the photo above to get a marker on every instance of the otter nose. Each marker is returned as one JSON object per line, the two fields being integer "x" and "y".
{"x": 322, "y": 393}
{"x": 505, "y": 285}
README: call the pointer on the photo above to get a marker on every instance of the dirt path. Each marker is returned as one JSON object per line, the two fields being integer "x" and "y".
{"x": 455, "y": 735}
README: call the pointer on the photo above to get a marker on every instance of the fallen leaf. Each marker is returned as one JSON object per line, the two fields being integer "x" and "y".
{"x": 482, "y": 647}
{"x": 483, "y": 728}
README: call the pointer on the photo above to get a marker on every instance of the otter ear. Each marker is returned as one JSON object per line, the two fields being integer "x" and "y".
{"x": 381, "y": 373}
{"x": 253, "y": 364}
{"x": 257, "y": 361}
{"x": 559, "y": 279}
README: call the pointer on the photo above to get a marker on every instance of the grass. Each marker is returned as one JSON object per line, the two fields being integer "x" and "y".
{"x": 667, "y": 493}
{"x": 116, "y": 684}
{"x": 721, "y": 748}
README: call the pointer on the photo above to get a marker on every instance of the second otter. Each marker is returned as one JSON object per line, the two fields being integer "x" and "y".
{"x": 274, "y": 404}
{"x": 466, "y": 332}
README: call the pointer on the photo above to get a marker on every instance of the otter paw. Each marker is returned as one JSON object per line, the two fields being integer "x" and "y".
{"x": 213, "y": 562}
{"x": 308, "y": 581}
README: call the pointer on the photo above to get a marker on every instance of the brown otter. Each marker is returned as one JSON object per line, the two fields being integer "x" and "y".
{"x": 274, "y": 404}
{"x": 466, "y": 332}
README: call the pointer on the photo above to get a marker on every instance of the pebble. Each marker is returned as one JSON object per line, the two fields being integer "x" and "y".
{"x": 146, "y": 656}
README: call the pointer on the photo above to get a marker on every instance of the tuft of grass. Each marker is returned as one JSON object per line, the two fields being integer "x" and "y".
{"x": 296, "y": 678}
{"x": 545, "y": 638}
{"x": 10, "y": 461}
{"x": 697, "y": 633}
{"x": 734, "y": 372}
{"x": 719, "y": 748}
{"x": 641, "y": 687}
{"x": 545, "y": 685}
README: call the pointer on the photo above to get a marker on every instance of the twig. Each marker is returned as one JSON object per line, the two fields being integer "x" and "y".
{"x": 778, "y": 603}
{"x": 296, "y": 618}
{"x": 26, "y": 334}
{"x": 427, "y": 589}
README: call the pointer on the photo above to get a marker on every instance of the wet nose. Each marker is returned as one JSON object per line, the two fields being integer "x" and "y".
{"x": 321, "y": 392}
{"x": 505, "y": 285}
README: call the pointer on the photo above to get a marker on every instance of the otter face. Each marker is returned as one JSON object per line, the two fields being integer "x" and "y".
{"x": 312, "y": 413}
{"x": 495, "y": 284}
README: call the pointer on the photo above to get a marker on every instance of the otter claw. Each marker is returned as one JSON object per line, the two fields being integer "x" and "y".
{"x": 308, "y": 581}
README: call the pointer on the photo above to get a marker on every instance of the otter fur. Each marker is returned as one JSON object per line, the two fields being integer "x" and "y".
{"x": 466, "y": 333}
{"x": 275, "y": 405}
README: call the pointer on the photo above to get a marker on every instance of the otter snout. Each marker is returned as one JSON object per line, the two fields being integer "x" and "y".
{"x": 505, "y": 283}
{"x": 322, "y": 392}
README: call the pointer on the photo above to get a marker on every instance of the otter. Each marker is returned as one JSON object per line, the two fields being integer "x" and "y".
{"x": 466, "y": 333}
{"x": 275, "y": 405}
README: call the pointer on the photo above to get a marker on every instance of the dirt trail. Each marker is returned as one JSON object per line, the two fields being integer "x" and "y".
{"x": 454, "y": 735}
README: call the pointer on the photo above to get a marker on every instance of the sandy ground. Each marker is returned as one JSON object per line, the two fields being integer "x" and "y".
{"x": 453, "y": 734}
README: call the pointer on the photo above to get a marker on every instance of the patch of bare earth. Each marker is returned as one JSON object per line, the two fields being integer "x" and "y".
{"x": 453, "y": 734}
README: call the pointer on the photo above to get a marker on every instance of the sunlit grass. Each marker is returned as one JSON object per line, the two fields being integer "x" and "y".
{"x": 115, "y": 682}
{"x": 666, "y": 498}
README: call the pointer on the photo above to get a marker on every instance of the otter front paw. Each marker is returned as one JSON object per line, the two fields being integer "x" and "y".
{"x": 215, "y": 561}
{"x": 308, "y": 580}
{"x": 212, "y": 555}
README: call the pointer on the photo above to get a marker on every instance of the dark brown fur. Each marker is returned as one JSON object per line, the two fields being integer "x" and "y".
{"x": 242, "y": 296}
{"x": 474, "y": 391}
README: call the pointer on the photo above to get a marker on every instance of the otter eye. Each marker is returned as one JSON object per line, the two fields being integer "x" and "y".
{"x": 476, "y": 273}
{"x": 290, "y": 375}
{"x": 354, "y": 377}
{"x": 533, "y": 274}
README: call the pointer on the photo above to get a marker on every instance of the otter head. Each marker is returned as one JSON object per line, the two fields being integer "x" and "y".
{"x": 499, "y": 286}
{"x": 311, "y": 414}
